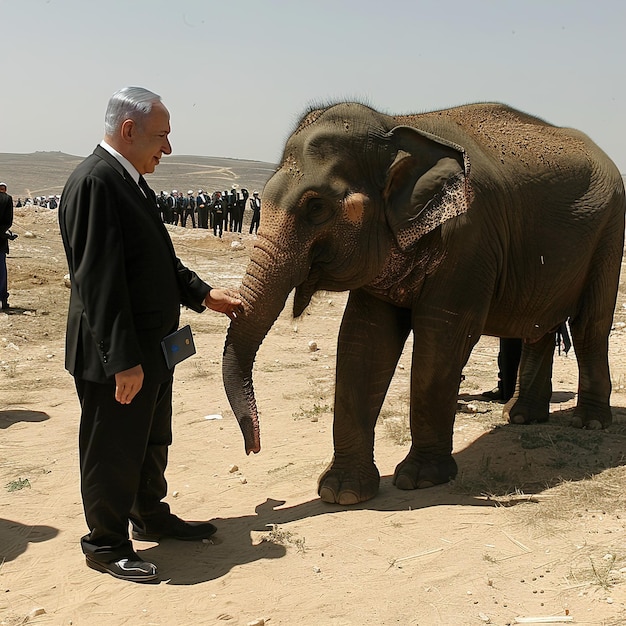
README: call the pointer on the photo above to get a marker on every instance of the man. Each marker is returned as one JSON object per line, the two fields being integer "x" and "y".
{"x": 162, "y": 205}
{"x": 126, "y": 289}
{"x": 181, "y": 205}
{"x": 241, "y": 208}
{"x": 509, "y": 357}
{"x": 255, "y": 205}
{"x": 172, "y": 204}
{"x": 6, "y": 221}
{"x": 202, "y": 204}
{"x": 218, "y": 212}
{"x": 190, "y": 209}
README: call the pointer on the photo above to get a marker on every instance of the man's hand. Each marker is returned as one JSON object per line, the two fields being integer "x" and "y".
{"x": 128, "y": 383}
{"x": 224, "y": 301}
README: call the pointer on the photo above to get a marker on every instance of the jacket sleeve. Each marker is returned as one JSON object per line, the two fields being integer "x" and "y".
{"x": 193, "y": 290}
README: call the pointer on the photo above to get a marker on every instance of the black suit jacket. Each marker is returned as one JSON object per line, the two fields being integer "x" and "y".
{"x": 6, "y": 219}
{"x": 127, "y": 283}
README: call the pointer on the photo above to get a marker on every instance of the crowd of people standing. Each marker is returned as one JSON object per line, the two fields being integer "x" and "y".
{"x": 220, "y": 211}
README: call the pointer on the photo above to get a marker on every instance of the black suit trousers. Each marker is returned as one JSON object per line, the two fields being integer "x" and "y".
{"x": 123, "y": 456}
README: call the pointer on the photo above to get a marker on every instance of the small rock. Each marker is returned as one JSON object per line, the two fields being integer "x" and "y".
{"x": 30, "y": 235}
{"x": 67, "y": 281}
{"x": 316, "y": 569}
{"x": 312, "y": 346}
{"x": 37, "y": 611}
{"x": 243, "y": 480}
{"x": 236, "y": 245}
{"x": 175, "y": 494}
{"x": 232, "y": 469}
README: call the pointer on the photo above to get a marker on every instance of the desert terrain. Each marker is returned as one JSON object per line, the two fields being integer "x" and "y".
{"x": 533, "y": 530}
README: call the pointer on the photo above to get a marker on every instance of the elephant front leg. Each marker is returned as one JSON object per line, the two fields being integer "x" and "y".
{"x": 438, "y": 360}
{"x": 371, "y": 339}
{"x": 434, "y": 393}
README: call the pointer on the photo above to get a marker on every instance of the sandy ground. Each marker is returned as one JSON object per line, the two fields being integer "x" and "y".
{"x": 534, "y": 526}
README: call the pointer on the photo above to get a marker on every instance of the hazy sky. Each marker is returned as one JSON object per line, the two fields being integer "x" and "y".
{"x": 237, "y": 74}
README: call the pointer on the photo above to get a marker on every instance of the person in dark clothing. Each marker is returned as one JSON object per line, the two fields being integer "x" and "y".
{"x": 202, "y": 205}
{"x": 255, "y": 205}
{"x": 162, "y": 205}
{"x": 218, "y": 210}
{"x": 181, "y": 206}
{"x": 509, "y": 357}
{"x": 6, "y": 221}
{"x": 240, "y": 209}
{"x": 189, "y": 211}
{"x": 127, "y": 286}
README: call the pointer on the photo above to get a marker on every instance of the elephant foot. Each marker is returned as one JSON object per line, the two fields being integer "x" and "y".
{"x": 348, "y": 485}
{"x": 592, "y": 418}
{"x": 421, "y": 471}
{"x": 516, "y": 411}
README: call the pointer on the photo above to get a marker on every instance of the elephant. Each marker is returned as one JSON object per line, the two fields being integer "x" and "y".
{"x": 451, "y": 224}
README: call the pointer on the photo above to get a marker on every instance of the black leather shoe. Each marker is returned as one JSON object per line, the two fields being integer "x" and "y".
{"x": 134, "y": 571}
{"x": 181, "y": 530}
{"x": 494, "y": 394}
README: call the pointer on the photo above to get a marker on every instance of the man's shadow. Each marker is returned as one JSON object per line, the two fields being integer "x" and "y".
{"x": 507, "y": 460}
{"x": 8, "y": 417}
{"x": 15, "y": 537}
{"x": 17, "y": 310}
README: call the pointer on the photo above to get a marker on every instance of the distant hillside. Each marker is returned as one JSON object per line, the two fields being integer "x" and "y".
{"x": 45, "y": 173}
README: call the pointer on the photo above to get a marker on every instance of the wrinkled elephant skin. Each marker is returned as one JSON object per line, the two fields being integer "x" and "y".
{"x": 450, "y": 225}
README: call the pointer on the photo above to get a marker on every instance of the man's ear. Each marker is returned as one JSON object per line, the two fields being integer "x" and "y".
{"x": 128, "y": 130}
{"x": 426, "y": 184}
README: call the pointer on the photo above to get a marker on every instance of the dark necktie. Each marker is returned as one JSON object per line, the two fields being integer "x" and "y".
{"x": 146, "y": 189}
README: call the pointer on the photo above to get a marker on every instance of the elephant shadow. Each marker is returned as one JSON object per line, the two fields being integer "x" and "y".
{"x": 15, "y": 537}
{"x": 531, "y": 458}
{"x": 494, "y": 470}
{"x": 8, "y": 417}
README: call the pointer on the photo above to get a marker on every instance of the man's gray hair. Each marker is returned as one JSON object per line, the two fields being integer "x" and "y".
{"x": 133, "y": 103}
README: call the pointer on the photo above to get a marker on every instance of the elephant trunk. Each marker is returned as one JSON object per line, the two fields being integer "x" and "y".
{"x": 264, "y": 290}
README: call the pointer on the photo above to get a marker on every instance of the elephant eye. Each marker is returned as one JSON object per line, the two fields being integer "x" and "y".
{"x": 318, "y": 211}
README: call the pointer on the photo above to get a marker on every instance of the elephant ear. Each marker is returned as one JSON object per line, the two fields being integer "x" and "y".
{"x": 427, "y": 184}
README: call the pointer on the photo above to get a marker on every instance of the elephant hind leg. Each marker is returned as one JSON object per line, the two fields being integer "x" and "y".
{"x": 531, "y": 401}
{"x": 593, "y": 410}
{"x": 590, "y": 332}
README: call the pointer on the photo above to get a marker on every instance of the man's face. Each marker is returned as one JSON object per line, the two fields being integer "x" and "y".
{"x": 150, "y": 140}
{"x": 3, "y": 188}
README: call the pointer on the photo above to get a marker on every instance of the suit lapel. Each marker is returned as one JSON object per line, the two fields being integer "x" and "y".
{"x": 149, "y": 203}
